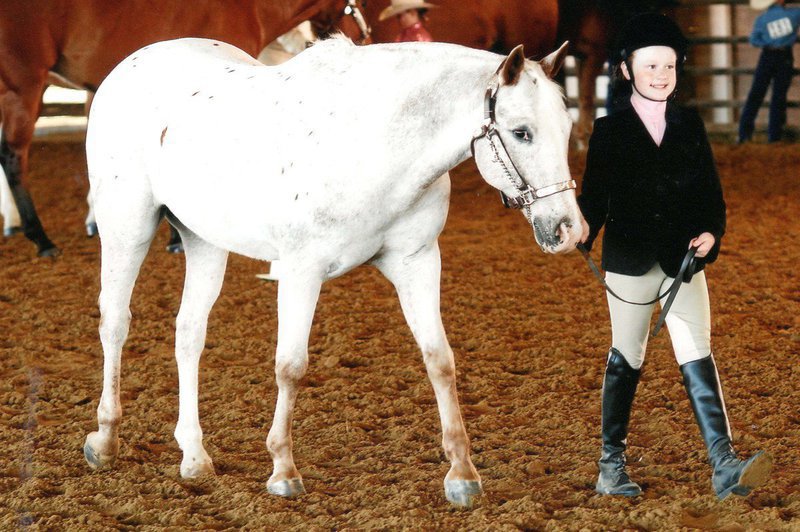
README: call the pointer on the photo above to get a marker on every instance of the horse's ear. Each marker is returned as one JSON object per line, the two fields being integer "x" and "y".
{"x": 552, "y": 63}
{"x": 512, "y": 66}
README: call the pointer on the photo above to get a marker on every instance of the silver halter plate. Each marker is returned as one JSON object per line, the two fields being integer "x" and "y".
{"x": 527, "y": 195}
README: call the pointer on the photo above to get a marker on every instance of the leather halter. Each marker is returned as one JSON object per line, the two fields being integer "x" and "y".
{"x": 685, "y": 273}
{"x": 527, "y": 195}
{"x": 351, "y": 9}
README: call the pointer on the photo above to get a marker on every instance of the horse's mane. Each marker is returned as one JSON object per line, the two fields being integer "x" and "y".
{"x": 335, "y": 40}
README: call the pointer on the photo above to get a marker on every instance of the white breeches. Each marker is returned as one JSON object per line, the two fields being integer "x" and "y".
{"x": 688, "y": 320}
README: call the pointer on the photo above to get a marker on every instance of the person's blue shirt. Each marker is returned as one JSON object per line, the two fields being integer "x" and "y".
{"x": 776, "y": 27}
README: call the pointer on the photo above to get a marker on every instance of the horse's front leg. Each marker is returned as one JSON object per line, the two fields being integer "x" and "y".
{"x": 416, "y": 278}
{"x": 297, "y": 299}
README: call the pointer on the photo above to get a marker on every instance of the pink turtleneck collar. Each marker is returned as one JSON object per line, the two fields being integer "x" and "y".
{"x": 653, "y": 115}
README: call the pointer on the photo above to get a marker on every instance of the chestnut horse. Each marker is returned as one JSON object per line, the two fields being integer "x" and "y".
{"x": 495, "y": 25}
{"x": 82, "y": 40}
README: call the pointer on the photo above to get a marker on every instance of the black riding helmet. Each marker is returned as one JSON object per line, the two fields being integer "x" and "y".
{"x": 651, "y": 29}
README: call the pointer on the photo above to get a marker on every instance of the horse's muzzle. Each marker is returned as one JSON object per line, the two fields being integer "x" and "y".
{"x": 556, "y": 235}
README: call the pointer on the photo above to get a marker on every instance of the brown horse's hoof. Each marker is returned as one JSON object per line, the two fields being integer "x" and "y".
{"x": 51, "y": 252}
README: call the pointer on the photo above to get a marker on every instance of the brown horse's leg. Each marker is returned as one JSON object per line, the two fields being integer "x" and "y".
{"x": 589, "y": 68}
{"x": 20, "y": 109}
{"x": 416, "y": 277}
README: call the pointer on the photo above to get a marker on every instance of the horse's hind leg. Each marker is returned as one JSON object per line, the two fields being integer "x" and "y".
{"x": 297, "y": 299}
{"x": 205, "y": 271}
{"x": 20, "y": 109}
{"x": 125, "y": 241}
{"x": 8, "y": 209}
{"x": 416, "y": 278}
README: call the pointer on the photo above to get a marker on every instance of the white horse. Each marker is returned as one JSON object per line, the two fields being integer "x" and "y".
{"x": 333, "y": 159}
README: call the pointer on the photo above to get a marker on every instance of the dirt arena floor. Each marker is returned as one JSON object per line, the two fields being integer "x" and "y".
{"x": 530, "y": 333}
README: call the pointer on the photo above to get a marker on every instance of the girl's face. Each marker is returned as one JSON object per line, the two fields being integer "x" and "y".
{"x": 654, "y": 72}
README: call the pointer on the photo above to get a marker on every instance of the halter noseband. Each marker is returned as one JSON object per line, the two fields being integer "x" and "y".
{"x": 527, "y": 195}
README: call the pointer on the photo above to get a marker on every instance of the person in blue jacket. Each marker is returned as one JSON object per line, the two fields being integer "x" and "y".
{"x": 651, "y": 181}
{"x": 775, "y": 32}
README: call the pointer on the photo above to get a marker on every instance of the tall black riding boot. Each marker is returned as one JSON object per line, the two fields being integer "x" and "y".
{"x": 619, "y": 387}
{"x": 731, "y": 475}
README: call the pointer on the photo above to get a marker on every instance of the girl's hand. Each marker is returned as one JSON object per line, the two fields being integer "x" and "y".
{"x": 585, "y": 233}
{"x": 703, "y": 243}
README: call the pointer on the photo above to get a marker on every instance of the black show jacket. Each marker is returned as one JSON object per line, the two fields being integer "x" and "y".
{"x": 652, "y": 199}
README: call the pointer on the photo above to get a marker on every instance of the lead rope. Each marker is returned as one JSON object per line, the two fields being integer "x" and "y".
{"x": 686, "y": 270}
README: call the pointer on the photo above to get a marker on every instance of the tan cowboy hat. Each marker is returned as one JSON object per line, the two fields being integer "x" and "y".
{"x": 761, "y": 4}
{"x": 398, "y": 6}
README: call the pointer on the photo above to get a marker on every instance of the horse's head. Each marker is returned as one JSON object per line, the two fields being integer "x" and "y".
{"x": 521, "y": 149}
{"x": 345, "y": 16}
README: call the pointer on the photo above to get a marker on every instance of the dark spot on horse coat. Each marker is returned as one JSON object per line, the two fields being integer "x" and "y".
{"x": 215, "y": 44}
{"x": 296, "y": 196}
{"x": 210, "y": 96}
{"x": 231, "y": 71}
{"x": 310, "y": 133}
{"x": 195, "y": 93}
{"x": 163, "y": 134}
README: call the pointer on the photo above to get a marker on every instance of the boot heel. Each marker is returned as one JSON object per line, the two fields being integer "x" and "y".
{"x": 755, "y": 473}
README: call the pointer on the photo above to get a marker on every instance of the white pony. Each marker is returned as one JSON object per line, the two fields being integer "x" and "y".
{"x": 335, "y": 158}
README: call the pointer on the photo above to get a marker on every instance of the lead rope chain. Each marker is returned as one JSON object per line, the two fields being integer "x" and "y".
{"x": 520, "y": 188}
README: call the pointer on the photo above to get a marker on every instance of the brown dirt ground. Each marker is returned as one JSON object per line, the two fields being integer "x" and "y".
{"x": 530, "y": 333}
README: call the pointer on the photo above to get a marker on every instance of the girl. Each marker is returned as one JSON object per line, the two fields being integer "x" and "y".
{"x": 651, "y": 180}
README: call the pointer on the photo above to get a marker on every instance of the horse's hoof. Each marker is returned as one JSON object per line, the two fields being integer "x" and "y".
{"x": 176, "y": 247}
{"x": 287, "y": 488}
{"x": 197, "y": 470}
{"x": 51, "y": 252}
{"x": 91, "y": 229}
{"x": 97, "y": 459}
{"x": 11, "y": 231}
{"x": 462, "y": 493}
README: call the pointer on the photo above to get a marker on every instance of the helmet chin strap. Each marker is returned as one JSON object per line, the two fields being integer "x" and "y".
{"x": 633, "y": 84}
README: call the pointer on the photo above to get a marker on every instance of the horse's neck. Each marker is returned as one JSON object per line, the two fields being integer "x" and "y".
{"x": 290, "y": 13}
{"x": 449, "y": 110}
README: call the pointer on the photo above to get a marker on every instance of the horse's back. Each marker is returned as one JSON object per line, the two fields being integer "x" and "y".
{"x": 142, "y": 88}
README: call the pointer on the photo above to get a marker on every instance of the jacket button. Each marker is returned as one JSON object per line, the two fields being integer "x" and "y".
{"x": 657, "y": 217}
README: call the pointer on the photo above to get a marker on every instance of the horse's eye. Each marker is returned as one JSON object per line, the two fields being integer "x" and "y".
{"x": 522, "y": 134}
